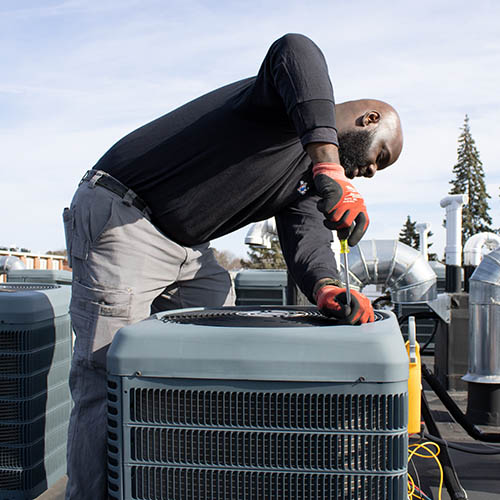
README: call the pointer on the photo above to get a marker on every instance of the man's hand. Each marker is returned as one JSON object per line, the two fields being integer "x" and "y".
{"x": 332, "y": 301}
{"x": 342, "y": 205}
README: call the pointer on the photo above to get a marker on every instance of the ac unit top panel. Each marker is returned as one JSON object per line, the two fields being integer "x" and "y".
{"x": 33, "y": 302}
{"x": 258, "y": 343}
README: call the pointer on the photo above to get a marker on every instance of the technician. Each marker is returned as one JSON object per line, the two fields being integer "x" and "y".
{"x": 140, "y": 223}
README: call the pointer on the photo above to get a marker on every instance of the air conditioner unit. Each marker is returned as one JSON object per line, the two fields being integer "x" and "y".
{"x": 52, "y": 276}
{"x": 35, "y": 353}
{"x": 255, "y": 403}
{"x": 255, "y": 287}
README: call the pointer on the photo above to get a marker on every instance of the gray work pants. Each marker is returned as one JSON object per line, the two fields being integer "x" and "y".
{"x": 121, "y": 263}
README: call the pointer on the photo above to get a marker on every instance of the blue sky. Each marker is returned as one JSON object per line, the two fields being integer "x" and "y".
{"x": 77, "y": 75}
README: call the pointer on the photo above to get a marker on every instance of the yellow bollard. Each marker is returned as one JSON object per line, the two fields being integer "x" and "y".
{"x": 415, "y": 379}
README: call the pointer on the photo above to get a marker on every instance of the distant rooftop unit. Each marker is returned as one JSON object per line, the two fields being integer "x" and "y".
{"x": 60, "y": 277}
{"x": 35, "y": 403}
{"x": 261, "y": 286}
{"x": 36, "y": 261}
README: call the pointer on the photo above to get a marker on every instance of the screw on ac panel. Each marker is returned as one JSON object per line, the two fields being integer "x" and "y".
{"x": 138, "y": 373}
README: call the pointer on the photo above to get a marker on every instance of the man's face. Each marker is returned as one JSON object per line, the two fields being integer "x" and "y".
{"x": 354, "y": 147}
{"x": 365, "y": 151}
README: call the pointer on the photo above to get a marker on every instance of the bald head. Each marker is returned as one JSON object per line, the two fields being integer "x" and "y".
{"x": 370, "y": 136}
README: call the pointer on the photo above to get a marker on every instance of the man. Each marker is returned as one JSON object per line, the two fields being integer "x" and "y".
{"x": 139, "y": 225}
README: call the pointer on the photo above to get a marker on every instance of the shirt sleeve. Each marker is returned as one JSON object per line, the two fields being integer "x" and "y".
{"x": 294, "y": 79}
{"x": 306, "y": 244}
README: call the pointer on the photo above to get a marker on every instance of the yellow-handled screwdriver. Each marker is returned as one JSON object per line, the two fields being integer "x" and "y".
{"x": 344, "y": 249}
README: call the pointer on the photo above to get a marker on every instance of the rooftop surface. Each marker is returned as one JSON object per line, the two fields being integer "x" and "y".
{"x": 478, "y": 474}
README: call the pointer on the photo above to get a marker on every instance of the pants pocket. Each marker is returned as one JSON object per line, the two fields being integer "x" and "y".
{"x": 100, "y": 313}
{"x": 96, "y": 301}
{"x": 90, "y": 216}
{"x": 100, "y": 218}
{"x": 76, "y": 246}
{"x": 93, "y": 213}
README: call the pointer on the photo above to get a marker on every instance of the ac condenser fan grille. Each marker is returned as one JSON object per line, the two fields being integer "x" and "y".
{"x": 16, "y": 287}
{"x": 268, "y": 410}
{"x": 152, "y": 483}
{"x": 249, "y": 316}
{"x": 266, "y": 445}
{"x": 267, "y": 450}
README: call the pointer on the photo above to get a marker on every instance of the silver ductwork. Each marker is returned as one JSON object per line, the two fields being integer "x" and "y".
{"x": 473, "y": 248}
{"x": 260, "y": 233}
{"x": 400, "y": 268}
{"x": 484, "y": 322}
{"x": 9, "y": 263}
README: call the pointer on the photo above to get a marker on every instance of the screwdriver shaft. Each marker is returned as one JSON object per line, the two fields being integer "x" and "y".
{"x": 344, "y": 249}
{"x": 347, "y": 287}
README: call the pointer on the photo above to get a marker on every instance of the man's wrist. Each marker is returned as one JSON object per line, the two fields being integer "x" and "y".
{"x": 323, "y": 152}
{"x": 325, "y": 282}
{"x": 332, "y": 170}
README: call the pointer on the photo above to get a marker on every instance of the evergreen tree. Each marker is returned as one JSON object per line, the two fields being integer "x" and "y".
{"x": 227, "y": 259}
{"x": 265, "y": 258}
{"x": 430, "y": 255}
{"x": 62, "y": 251}
{"x": 408, "y": 234}
{"x": 469, "y": 180}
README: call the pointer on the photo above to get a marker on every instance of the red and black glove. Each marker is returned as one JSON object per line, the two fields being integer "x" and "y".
{"x": 332, "y": 301}
{"x": 342, "y": 205}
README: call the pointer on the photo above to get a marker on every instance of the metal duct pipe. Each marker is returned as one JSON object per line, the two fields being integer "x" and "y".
{"x": 473, "y": 252}
{"x": 453, "y": 249}
{"x": 259, "y": 234}
{"x": 9, "y": 263}
{"x": 474, "y": 245}
{"x": 484, "y": 342}
{"x": 423, "y": 230}
{"x": 484, "y": 306}
{"x": 402, "y": 269}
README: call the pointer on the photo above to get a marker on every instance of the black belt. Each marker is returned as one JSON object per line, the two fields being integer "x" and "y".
{"x": 101, "y": 178}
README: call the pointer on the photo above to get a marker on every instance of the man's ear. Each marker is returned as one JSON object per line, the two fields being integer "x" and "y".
{"x": 370, "y": 117}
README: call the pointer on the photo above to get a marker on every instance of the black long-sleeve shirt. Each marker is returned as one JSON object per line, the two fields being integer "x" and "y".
{"x": 236, "y": 155}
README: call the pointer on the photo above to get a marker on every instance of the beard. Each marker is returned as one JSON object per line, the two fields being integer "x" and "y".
{"x": 353, "y": 150}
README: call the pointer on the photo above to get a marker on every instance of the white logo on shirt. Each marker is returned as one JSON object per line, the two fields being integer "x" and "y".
{"x": 303, "y": 187}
